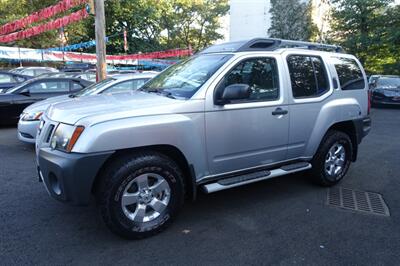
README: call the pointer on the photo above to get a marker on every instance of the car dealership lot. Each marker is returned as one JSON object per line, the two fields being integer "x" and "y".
{"x": 280, "y": 221}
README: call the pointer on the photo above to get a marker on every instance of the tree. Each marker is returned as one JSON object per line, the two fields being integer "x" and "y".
{"x": 291, "y": 19}
{"x": 368, "y": 29}
{"x": 164, "y": 24}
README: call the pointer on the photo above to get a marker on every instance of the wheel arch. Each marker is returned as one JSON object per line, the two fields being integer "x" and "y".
{"x": 168, "y": 150}
{"x": 348, "y": 127}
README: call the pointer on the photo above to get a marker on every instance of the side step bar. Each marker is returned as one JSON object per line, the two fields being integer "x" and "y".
{"x": 241, "y": 180}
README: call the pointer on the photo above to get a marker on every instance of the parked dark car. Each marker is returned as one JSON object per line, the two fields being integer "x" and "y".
{"x": 14, "y": 101}
{"x": 385, "y": 90}
{"x": 9, "y": 80}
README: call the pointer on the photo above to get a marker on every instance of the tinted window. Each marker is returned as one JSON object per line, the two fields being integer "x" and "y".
{"x": 4, "y": 78}
{"x": 28, "y": 72}
{"x": 40, "y": 72}
{"x": 307, "y": 75}
{"x": 19, "y": 79}
{"x": 261, "y": 74}
{"x": 349, "y": 73}
{"x": 76, "y": 86}
{"x": 49, "y": 86}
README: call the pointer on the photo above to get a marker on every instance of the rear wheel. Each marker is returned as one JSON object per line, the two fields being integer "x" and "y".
{"x": 333, "y": 158}
{"x": 140, "y": 195}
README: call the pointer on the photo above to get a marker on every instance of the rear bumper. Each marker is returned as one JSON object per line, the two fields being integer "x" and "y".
{"x": 69, "y": 177}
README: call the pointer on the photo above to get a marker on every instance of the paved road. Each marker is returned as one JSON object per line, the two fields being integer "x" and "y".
{"x": 283, "y": 221}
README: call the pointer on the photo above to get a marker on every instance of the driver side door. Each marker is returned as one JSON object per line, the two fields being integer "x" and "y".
{"x": 250, "y": 132}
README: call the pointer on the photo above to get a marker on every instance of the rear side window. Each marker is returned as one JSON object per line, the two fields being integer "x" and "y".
{"x": 307, "y": 75}
{"x": 349, "y": 73}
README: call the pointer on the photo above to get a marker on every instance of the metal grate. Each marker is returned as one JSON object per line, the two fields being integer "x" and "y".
{"x": 367, "y": 202}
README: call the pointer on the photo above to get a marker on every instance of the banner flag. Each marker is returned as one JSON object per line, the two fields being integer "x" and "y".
{"x": 51, "y": 25}
{"x": 43, "y": 14}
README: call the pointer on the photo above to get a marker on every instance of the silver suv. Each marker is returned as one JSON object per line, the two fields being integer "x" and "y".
{"x": 234, "y": 114}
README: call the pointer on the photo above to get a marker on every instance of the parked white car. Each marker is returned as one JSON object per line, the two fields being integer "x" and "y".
{"x": 30, "y": 117}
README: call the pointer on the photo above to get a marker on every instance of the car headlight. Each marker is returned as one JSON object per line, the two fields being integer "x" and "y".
{"x": 2, "y": 90}
{"x": 34, "y": 116}
{"x": 65, "y": 137}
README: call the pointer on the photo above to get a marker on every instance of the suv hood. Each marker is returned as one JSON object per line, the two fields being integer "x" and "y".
{"x": 99, "y": 108}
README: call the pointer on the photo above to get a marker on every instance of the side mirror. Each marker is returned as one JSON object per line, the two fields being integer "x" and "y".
{"x": 234, "y": 92}
{"x": 25, "y": 92}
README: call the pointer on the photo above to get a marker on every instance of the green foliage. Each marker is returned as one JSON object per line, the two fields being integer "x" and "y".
{"x": 291, "y": 19}
{"x": 164, "y": 24}
{"x": 369, "y": 29}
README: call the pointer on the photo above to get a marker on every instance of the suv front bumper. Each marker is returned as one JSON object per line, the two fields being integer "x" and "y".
{"x": 69, "y": 177}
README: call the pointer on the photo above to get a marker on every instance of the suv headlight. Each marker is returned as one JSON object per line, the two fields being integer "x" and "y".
{"x": 34, "y": 116}
{"x": 65, "y": 137}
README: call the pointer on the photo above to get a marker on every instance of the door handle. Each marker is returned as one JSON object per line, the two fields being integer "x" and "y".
{"x": 279, "y": 111}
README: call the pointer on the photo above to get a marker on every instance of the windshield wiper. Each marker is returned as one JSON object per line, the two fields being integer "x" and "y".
{"x": 159, "y": 91}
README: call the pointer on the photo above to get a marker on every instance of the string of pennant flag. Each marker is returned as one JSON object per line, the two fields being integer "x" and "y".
{"x": 40, "y": 15}
{"x": 14, "y": 53}
{"x": 51, "y": 25}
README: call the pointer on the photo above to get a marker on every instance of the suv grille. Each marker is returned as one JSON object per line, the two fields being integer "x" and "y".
{"x": 49, "y": 133}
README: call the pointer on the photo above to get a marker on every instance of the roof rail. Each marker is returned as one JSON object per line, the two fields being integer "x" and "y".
{"x": 269, "y": 44}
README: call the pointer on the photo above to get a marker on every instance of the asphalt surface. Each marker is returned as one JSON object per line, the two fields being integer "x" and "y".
{"x": 283, "y": 221}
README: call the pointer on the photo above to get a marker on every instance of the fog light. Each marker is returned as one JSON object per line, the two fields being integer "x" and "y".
{"x": 54, "y": 184}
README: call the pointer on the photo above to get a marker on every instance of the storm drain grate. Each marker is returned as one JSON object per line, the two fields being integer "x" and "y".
{"x": 367, "y": 202}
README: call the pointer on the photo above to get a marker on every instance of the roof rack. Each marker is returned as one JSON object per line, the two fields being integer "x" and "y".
{"x": 269, "y": 44}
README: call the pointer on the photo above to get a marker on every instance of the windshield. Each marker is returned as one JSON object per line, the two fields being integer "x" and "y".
{"x": 182, "y": 80}
{"x": 92, "y": 89}
{"x": 389, "y": 82}
{"x": 18, "y": 87}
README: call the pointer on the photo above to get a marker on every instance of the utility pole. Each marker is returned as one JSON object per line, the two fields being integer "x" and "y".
{"x": 100, "y": 27}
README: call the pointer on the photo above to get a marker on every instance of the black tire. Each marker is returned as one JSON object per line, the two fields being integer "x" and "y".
{"x": 116, "y": 178}
{"x": 318, "y": 171}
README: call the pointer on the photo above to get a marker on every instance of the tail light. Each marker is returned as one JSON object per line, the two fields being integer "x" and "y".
{"x": 369, "y": 101}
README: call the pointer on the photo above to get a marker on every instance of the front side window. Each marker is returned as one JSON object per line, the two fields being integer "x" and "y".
{"x": 126, "y": 86}
{"x": 261, "y": 74}
{"x": 349, "y": 73}
{"x": 76, "y": 86}
{"x": 95, "y": 87}
{"x": 120, "y": 87}
{"x": 49, "y": 87}
{"x": 307, "y": 75}
{"x": 28, "y": 72}
{"x": 184, "y": 79}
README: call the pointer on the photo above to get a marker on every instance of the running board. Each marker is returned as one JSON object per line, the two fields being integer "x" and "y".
{"x": 241, "y": 180}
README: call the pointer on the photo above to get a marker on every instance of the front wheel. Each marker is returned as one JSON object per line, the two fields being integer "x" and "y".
{"x": 140, "y": 195}
{"x": 333, "y": 158}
